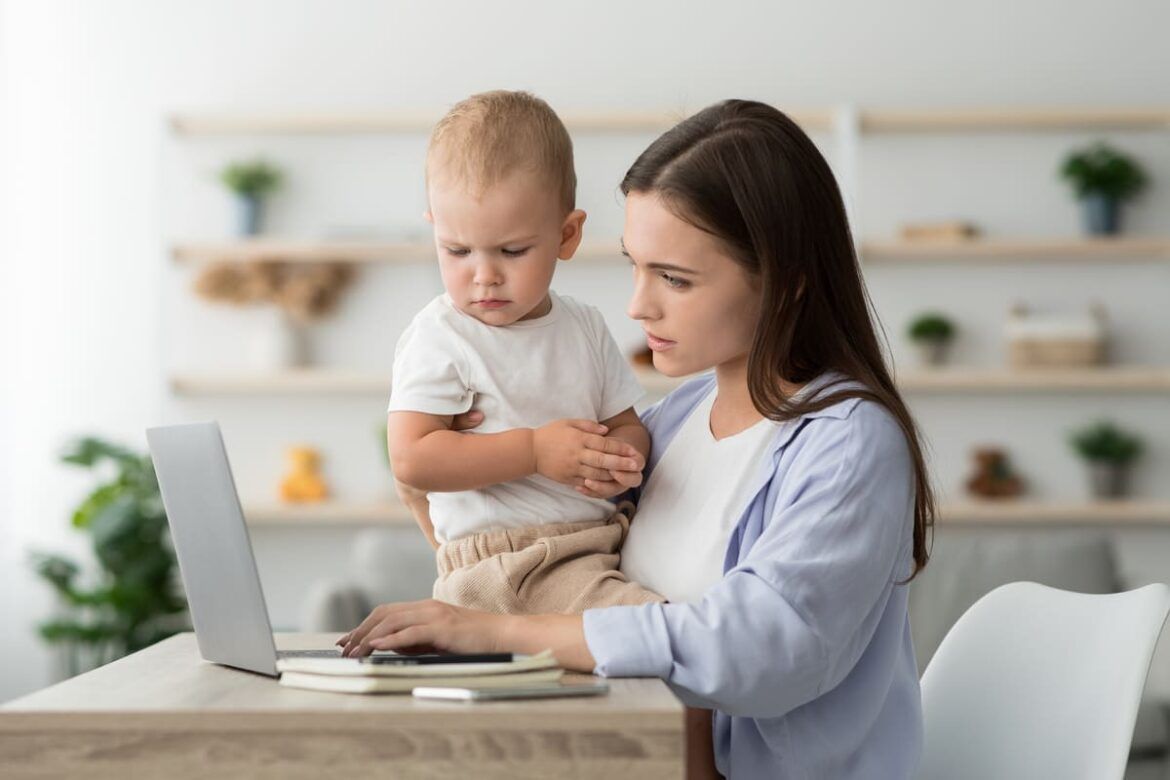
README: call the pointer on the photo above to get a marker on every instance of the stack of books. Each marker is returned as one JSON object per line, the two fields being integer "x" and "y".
{"x": 401, "y": 673}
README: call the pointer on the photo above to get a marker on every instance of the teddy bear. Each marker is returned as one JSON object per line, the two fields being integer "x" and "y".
{"x": 304, "y": 481}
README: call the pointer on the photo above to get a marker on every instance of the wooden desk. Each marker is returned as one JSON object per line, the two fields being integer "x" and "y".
{"x": 166, "y": 713}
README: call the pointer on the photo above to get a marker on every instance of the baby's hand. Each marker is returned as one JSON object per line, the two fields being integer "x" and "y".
{"x": 572, "y": 451}
{"x": 617, "y": 483}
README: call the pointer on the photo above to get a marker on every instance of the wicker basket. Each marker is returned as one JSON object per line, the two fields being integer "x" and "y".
{"x": 1054, "y": 352}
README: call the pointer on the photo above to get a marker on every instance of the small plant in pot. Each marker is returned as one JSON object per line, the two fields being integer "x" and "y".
{"x": 251, "y": 182}
{"x": 932, "y": 333}
{"x": 1108, "y": 451}
{"x": 1103, "y": 178}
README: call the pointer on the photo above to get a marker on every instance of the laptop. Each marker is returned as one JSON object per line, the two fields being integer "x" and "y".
{"x": 214, "y": 551}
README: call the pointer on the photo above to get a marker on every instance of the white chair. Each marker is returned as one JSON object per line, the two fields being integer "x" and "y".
{"x": 1035, "y": 682}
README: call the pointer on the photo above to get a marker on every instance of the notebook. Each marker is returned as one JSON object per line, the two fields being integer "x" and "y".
{"x": 352, "y": 675}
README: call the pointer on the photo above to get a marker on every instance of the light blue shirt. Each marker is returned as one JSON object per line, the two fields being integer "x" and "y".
{"x": 803, "y": 648}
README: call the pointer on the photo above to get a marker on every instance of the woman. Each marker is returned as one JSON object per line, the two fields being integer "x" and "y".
{"x": 786, "y": 502}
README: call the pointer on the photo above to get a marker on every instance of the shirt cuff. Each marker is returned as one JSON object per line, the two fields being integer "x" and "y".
{"x": 629, "y": 641}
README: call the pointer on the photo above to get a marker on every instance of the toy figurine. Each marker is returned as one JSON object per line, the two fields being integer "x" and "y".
{"x": 993, "y": 477}
{"x": 304, "y": 482}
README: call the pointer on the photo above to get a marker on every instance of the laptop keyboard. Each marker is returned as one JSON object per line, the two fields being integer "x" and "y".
{"x": 334, "y": 653}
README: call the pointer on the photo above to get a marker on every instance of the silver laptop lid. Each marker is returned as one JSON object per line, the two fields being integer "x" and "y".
{"x": 212, "y": 545}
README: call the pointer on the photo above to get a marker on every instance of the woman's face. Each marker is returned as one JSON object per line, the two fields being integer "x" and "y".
{"x": 698, "y": 307}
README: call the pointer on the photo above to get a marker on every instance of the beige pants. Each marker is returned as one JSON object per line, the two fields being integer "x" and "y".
{"x": 563, "y": 568}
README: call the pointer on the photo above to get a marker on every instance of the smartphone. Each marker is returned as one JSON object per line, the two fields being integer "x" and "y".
{"x": 536, "y": 691}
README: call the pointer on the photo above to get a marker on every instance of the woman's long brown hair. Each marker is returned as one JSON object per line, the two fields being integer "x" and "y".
{"x": 748, "y": 175}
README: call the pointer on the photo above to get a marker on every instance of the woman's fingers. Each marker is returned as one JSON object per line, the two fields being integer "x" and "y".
{"x": 393, "y": 622}
{"x": 377, "y": 615}
{"x": 467, "y": 420}
{"x": 420, "y": 635}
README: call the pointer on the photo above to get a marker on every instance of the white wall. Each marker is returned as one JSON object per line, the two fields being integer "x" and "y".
{"x": 90, "y": 182}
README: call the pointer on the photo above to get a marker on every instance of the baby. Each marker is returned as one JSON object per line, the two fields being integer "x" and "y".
{"x": 516, "y": 528}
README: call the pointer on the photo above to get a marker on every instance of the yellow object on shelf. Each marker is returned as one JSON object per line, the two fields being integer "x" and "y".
{"x": 304, "y": 482}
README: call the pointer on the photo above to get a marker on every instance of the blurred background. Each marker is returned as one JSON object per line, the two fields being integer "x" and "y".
{"x": 213, "y": 211}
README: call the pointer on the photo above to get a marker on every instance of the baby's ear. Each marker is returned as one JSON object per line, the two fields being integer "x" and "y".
{"x": 428, "y": 216}
{"x": 571, "y": 234}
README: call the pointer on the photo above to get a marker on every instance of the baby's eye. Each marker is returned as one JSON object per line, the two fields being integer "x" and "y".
{"x": 457, "y": 251}
{"x": 516, "y": 252}
{"x": 675, "y": 282}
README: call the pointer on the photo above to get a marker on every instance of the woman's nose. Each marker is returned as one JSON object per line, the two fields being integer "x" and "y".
{"x": 640, "y": 306}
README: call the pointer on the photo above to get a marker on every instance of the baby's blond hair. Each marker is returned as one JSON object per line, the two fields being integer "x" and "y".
{"x": 489, "y": 136}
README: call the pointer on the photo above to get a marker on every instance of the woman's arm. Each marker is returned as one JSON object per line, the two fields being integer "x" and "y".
{"x": 791, "y": 620}
{"x": 435, "y": 625}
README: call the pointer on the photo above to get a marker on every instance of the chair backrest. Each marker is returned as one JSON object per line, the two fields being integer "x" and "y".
{"x": 1035, "y": 682}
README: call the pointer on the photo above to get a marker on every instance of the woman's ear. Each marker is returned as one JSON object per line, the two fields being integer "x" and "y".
{"x": 571, "y": 234}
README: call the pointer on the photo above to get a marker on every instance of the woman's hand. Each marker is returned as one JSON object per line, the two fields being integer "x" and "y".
{"x": 425, "y": 626}
{"x": 433, "y": 626}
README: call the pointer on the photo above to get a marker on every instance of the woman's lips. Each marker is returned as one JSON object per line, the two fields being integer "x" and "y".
{"x": 658, "y": 345}
{"x": 492, "y": 303}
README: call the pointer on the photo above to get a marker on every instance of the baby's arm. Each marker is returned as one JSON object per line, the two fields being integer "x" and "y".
{"x": 426, "y": 454}
{"x": 429, "y": 456}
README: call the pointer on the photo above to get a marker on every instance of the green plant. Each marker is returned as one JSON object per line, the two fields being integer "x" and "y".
{"x": 1103, "y": 170}
{"x": 136, "y": 600}
{"x": 383, "y": 444}
{"x": 251, "y": 179}
{"x": 931, "y": 327}
{"x": 1105, "y": 442}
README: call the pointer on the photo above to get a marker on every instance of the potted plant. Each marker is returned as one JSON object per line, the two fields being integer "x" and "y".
{"x": 1109, "y": 451}
{"x": 137, "y": 598}
{"x": 1102, "y": 178}
{"x": 932, "y": 334}
{"x": 251, "y": 182}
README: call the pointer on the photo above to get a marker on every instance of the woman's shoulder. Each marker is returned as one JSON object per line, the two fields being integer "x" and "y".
{"x": 853, "y": 430}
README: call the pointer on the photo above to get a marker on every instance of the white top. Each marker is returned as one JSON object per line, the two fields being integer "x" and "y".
{"x": 691, "y": 503}
{"x": 562, "y": 365}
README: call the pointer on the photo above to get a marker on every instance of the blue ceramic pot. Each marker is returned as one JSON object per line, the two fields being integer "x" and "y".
{"x": 1102, "y": 215}
{"x": 249, "y": 210}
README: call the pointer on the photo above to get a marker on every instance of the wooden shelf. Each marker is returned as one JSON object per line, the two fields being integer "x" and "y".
{"x": 1013, "y": 119}
{"x": 1012, "y": 249}
{"x": 1128, "y": 512}
{"x": 1138, "y": 379}
{"x": 387, "y": 122}
{"x": 872, "y": 120}
{"x": 329, "y": 513}
{"x": 311, "y": 381}
{"x": 323, "y": 381}
{"x": 341, "y": 251}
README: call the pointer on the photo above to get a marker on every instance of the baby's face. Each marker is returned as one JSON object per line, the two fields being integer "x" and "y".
{"x": 497, "y": 252}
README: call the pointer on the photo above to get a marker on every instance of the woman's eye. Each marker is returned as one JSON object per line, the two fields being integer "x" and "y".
{"x": 675, "y": 282}
{"x": 516, "y": 252}
{"x": 454, "y": 252}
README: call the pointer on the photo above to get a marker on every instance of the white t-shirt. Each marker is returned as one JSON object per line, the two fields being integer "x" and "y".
{"x": 691, "y": 504}
{"x": 562, "y": 365}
